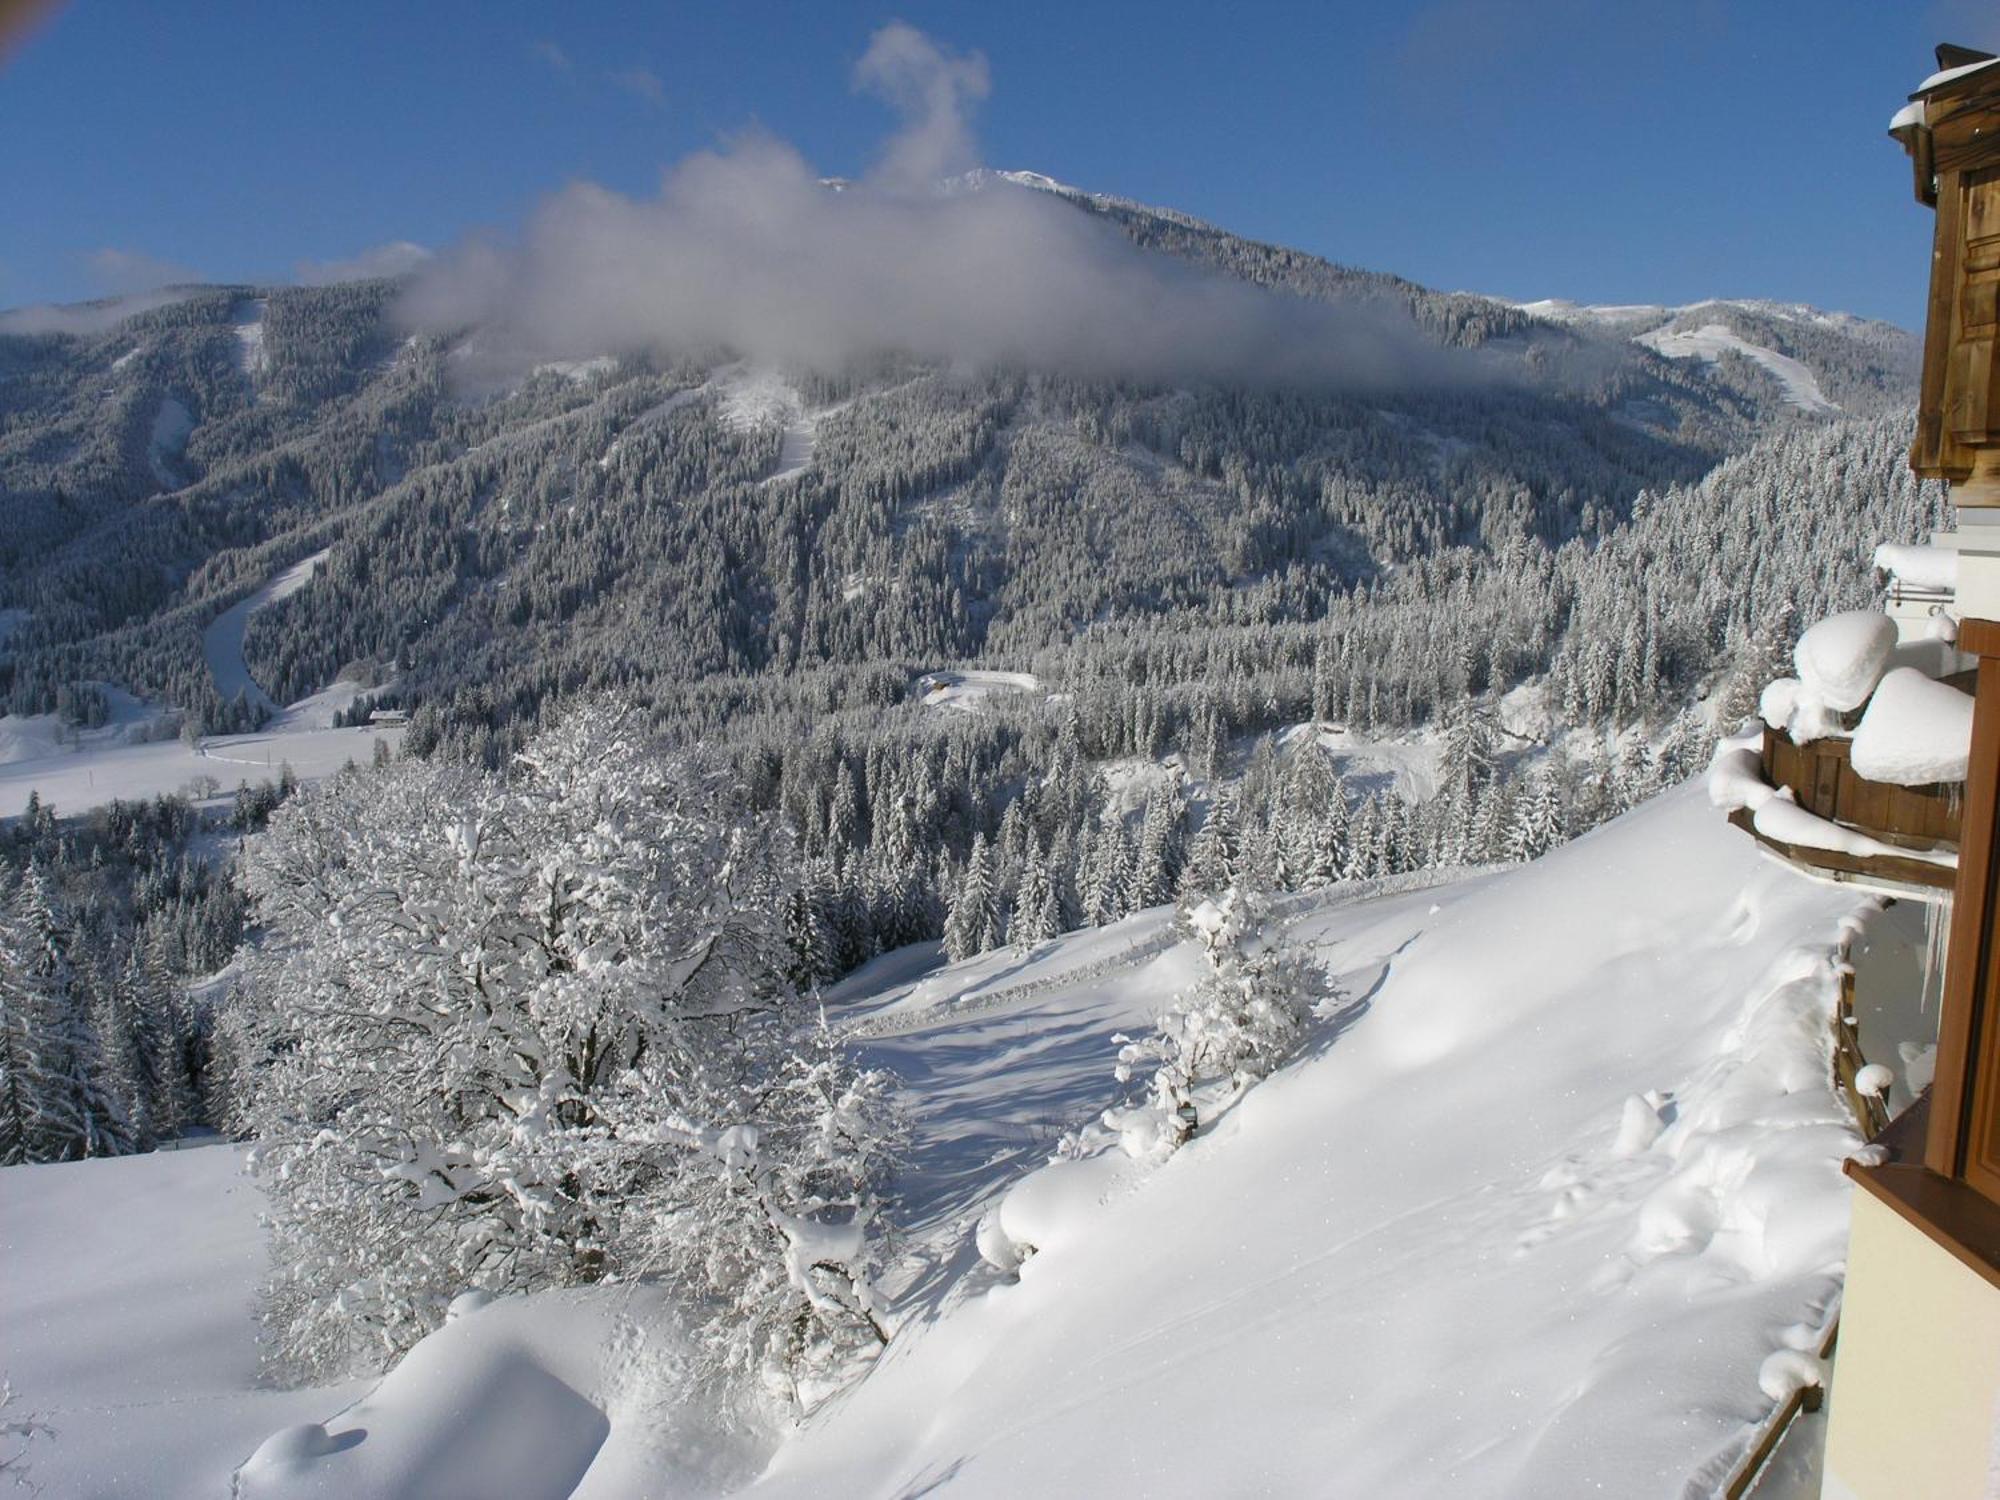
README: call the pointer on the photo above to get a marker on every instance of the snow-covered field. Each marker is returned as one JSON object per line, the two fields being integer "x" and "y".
{"x": 1558, "y": 1174}
{"x": 74, "y": 772}
{"x": 90, "y": 777}
{"x": 966, "y": 690}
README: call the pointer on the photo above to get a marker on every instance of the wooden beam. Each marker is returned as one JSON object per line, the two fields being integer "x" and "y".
{"x": 1969, "y": 980}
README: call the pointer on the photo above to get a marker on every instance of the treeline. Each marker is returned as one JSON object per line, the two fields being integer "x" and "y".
{"x": 104, "y": 921}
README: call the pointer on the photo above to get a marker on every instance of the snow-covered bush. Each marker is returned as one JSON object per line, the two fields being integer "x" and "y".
{"x": 509, "y": 1034}
{"x": 1244, "y": 1018}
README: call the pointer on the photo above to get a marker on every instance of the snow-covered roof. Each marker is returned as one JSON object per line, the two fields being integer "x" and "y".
{"x": 1944, "y": 76}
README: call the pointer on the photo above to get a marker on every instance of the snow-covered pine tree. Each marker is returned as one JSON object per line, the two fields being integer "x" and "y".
{"x": 1155, "y": 867}
{"x": 972, "y": 920}
{"x": 1537, "y": 824}
{"x": 1037, "y": 914}
{"x": 70, "y": 1111}
{"x": 1217, "y": 846}
{"x": 1244, "y": 1018}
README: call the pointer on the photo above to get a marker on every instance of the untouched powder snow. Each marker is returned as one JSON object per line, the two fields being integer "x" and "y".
{"x": 1551, "y": 1205}
{"x": 1712, "y": 340}
{"x": 125, "y": 1323}
{"x": 1439, "y": 1256}
{"x": 563, "y": 1394}
{"x": 1916, "y": 731}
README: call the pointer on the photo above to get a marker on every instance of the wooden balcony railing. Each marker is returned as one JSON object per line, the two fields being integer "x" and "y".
{"x": 1824, "y": 781}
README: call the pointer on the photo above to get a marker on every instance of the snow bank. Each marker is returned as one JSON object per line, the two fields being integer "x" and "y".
{"x": 1779, "y": 818}
{"x": 125, "y": 1322}
{"x": 1842, "y": 657}
{"x": 1916, "y": 731}
{"x": 569, "y": 1393}
{"x": 1920, "y": 567}
{"x": 1445, "y": 1253}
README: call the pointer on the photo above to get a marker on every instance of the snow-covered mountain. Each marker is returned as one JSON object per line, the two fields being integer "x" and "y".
{"x": 1550, "y": 1205}
{"x": 1797, "y": 346}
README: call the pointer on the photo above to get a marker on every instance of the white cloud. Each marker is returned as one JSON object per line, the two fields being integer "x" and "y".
{"x": 554, "y": 56}
{"x": 746, "y": 249}
{"x": 642, "y": 83}
{"x": 395, "y": 258}
{"x": 119, "y": 271}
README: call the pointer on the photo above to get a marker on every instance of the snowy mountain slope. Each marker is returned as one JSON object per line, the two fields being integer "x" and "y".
{"x": 1802, "y": 348}
{"x": 1556, "y": 1177}
{"x": 1712, "y": 340}
{"x": 1450, "y": 1253}
{"x": 125, "y": 1323}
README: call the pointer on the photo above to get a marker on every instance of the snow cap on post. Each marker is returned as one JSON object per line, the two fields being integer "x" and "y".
{"x": 1842, "y": 658}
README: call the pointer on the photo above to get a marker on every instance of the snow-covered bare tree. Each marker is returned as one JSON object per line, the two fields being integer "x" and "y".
{"x": 508, "y": 1034}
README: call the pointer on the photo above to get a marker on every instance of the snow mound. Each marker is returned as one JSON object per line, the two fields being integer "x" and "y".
{"x": 1842, "y": 657}
{"x": 1711, "y": 341}
{"x": 1934, "y": 568}
{"x": 1916, "y": 731}
{"x": 568, "y": 1393}
{"x": 1789, "y": 705}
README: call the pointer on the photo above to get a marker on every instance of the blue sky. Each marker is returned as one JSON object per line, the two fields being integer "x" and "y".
{"x": 1601, "y": 151}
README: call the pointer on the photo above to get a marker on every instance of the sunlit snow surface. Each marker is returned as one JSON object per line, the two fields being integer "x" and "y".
{"x": 1558, "y": 1176}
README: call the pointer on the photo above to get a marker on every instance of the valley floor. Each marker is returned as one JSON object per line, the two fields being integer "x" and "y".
{"x": 1556, "y": 1182}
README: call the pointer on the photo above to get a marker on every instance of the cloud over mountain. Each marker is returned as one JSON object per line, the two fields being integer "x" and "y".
{"x": 748, "y": 248}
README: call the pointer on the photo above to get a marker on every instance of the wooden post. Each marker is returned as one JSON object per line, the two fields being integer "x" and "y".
{"x": 1966, "y": 1016}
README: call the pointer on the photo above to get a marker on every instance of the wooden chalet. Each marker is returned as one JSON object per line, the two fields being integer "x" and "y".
{"x": 1914, "y": 1408}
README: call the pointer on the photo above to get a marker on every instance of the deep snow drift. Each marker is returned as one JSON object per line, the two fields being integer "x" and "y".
{"x": 1557, "y": 1177}
{"x": 1532, "y": 1225}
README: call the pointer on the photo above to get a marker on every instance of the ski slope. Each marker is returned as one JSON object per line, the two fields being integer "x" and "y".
{"x": 1712, "y": 340}
{"x": 1557, "y": 1174}
{"x": 222, "y": 641}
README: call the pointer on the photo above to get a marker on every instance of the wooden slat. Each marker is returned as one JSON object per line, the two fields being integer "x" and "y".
{"x": 1823, "y": 781}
